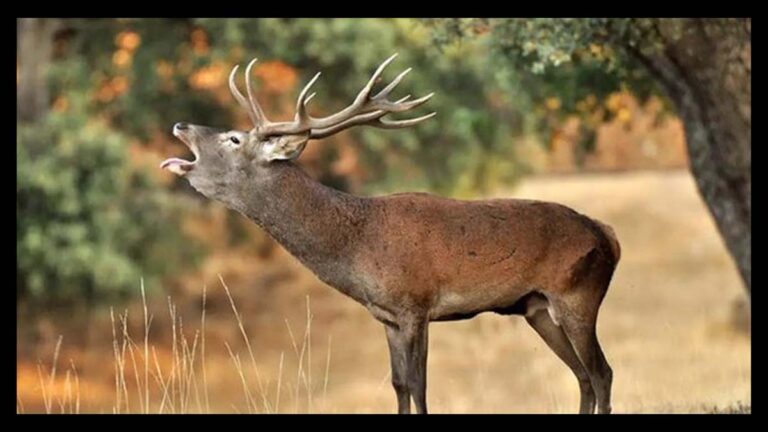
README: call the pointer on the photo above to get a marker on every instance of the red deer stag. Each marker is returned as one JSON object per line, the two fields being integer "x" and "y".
{"x": 412, "y": 258}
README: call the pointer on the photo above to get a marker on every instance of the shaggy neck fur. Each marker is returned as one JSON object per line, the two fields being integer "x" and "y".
{"x": 317, "y": 224}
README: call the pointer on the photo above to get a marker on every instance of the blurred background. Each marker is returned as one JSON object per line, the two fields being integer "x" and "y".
{"x": 136, "y": 294}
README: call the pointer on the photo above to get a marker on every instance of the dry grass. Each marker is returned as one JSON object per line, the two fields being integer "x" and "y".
{"x": 664, "y": 325}
{"x": 180, "y": 386}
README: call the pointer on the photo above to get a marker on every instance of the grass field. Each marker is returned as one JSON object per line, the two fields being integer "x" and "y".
{"x": 665, "y": 326}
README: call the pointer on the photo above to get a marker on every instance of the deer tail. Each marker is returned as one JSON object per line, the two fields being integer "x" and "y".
{"x": 611, "y": 234}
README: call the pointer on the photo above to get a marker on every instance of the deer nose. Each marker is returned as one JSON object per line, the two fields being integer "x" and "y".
{"x": 181, "y": 126}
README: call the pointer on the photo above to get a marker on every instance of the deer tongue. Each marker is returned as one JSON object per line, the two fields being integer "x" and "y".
{"x": 177, "y": 165}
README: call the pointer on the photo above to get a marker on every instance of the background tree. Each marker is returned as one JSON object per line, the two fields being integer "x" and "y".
{"x": 90, "y": 223}
{"x": 34, "y": 48}
{"x": 702, "y": 65}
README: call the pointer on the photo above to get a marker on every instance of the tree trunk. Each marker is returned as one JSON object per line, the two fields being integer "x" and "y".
{"x": 34, "y": 50}
{"x": 706, "y": 69}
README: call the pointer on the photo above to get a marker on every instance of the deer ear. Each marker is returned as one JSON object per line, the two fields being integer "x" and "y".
{"x": 283, "y": 147}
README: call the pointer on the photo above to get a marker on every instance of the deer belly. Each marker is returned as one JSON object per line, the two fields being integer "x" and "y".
{"x": 455, "y": 305}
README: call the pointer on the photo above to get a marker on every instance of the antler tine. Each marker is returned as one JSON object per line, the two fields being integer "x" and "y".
{"x": 363, "y": 95}
{"x": 385, "y": 92}
{"x": 257, "y": 111}
{"x": 239, "y": 96}
{"x": 397, "y": 124}
{"x": 303, "y": 122}
{"x": 373, "y": 118}
{"x": 359, "y": 119}
{"x": 301, "y": 112}
{"x": 394, "y": 106}
{"x": 365, "y": 110}
{"x": 361, "y": 99}
{"x": 399, "y": 106}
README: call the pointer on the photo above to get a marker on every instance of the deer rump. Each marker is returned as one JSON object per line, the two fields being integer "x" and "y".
{"x": 460, "y": 258}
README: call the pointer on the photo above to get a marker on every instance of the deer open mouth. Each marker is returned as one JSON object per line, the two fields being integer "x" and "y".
{"x": 177, "y": 165}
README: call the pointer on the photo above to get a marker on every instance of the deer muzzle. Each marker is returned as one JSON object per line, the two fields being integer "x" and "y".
{"x": 177, "y": 165}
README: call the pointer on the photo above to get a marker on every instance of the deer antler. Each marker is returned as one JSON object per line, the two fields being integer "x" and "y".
{"x": 364, "y": 110}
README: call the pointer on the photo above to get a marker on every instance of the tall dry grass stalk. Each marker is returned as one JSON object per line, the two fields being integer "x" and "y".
{"x": 255, "y": 368}
{"x": 327, "y": 369}
{"x": 143, "y": 385}
{"x": 202, "y": 353}
{"x": 146, "y": 348}
{"x": 67, "y": 398}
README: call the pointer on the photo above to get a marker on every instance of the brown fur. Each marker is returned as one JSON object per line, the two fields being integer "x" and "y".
{"x": 455, "y": 257}
{"x": 414, "y": 258}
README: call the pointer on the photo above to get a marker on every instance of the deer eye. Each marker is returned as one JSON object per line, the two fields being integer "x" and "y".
{"x": 234, "y": 140}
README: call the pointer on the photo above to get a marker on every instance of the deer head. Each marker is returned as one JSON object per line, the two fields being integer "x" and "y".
{"x": 226, "y": 158}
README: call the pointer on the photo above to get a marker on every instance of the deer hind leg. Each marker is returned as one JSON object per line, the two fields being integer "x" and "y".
{"x": 555, "y": 337}
{"x": 578, "y": 318}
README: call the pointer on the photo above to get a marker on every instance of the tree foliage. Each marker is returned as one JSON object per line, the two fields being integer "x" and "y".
{"x": 88, "y": 226}
{"x": 574, "y": 59}
{"x": 702, "y": 64}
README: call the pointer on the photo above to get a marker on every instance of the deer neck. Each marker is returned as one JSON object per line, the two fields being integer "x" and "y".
{"x": 316, "y": 224}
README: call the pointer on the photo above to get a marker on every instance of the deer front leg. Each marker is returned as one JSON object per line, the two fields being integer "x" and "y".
{"x": 408, "y": 352}
{"x": 416, "y": 334}
{"x": 398, "y": 354}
